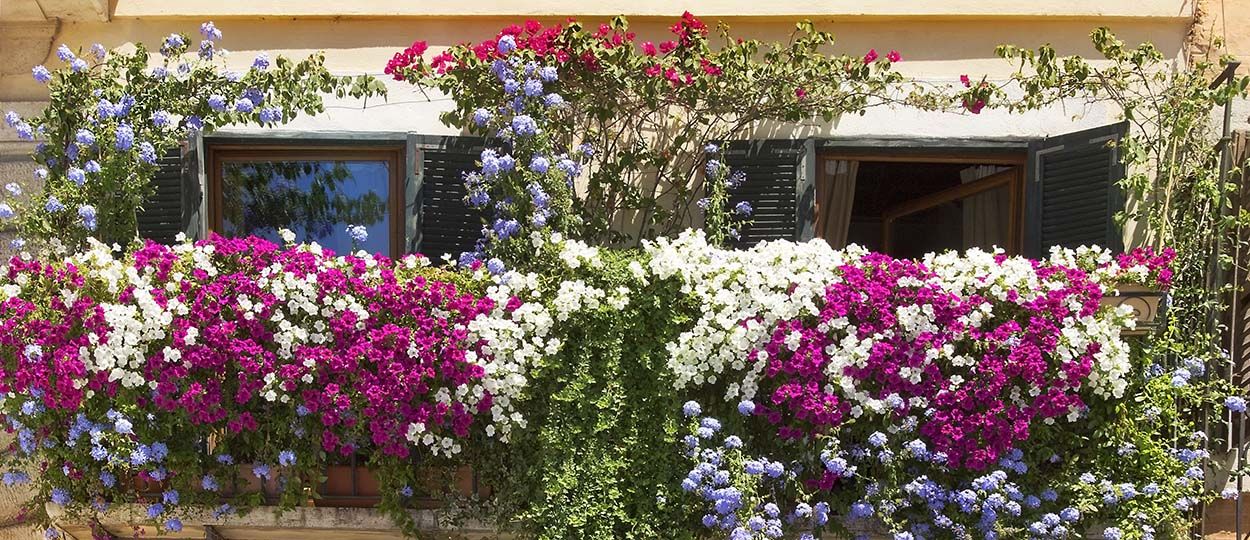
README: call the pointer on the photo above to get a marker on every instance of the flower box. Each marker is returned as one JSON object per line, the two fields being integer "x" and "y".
{"x": 1148, "y": 305}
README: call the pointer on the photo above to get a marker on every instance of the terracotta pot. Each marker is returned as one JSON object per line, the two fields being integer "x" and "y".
{"x": 349, "y": 486}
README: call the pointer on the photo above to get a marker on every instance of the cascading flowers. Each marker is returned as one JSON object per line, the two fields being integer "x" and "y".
{"x": 203, "y": 365}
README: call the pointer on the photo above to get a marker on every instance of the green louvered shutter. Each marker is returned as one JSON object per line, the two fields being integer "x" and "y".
{"x": 171, "y": 207}
{"x": 778, "y": 185}
{"x": 447, "y": 224}
{"x": 1073, "y": 191}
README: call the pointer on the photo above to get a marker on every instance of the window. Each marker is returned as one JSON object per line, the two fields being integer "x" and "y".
{"x": 316, "y": 192}
{"x": 907, "y": 206}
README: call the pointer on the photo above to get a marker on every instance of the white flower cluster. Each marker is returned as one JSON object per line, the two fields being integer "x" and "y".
{"x": 743, "y": 294}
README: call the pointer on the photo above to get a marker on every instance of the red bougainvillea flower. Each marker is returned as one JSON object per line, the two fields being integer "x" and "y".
{"x": 871, "y": 56}
{"x": 966, "y": 81}
{"x": 894, "y": 56}
{"x": 648, "y": 48}
{"x": 800, "y": 93}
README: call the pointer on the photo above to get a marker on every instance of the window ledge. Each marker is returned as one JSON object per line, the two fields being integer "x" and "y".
{"x": 266, "y": 523}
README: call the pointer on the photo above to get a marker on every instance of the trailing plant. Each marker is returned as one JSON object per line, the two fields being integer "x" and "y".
{"x": 112, "y": 115}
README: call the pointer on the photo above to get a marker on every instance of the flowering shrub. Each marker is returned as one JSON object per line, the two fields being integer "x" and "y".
{"x": 949, "y": 397}
{"x": 648, "y": 108}
{"x": 207, "y": 364}
{"x": 113, "y": 114}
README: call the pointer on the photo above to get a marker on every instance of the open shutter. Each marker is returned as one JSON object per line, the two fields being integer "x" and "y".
{"x": 447, "y": 224}
{"x": 1073, "y": 191}
{"x": 172, "y": 206}
{"x": 779, "y": 186}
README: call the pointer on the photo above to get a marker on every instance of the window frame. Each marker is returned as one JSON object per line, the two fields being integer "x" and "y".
{"x": 1009, "y": 156}
{"x": 394, "y": 154}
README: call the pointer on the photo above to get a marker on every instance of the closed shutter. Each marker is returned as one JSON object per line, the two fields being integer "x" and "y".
{"x": 777, "y": 184}
{"x": 447, "y": 224}
{"x": 167, "y": 211}
{"x": 1073, "y": 192}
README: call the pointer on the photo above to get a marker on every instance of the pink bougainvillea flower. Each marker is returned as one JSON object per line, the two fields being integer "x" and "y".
{"x": 894, "y": 56}
{"x": 871, "y": 56}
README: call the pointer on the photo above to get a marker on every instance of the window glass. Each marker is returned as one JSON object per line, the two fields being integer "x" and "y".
{"x": 316, "y": 199}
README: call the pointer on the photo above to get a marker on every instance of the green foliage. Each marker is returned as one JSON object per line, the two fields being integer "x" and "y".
{"x": 162, "y": 99}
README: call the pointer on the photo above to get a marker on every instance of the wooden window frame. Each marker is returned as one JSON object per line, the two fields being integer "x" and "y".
{"x": 394, "y": 156}
{"x": 1013, "y": 177}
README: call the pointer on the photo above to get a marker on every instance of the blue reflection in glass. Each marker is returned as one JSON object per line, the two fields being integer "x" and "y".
{"x": 317, "y": 200}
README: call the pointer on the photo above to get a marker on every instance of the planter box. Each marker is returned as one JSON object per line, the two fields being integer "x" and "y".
{"x": 1148, "y": 304}
{"x": 355, "y": 486}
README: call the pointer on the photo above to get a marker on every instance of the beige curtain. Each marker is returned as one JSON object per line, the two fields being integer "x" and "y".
{"x": 835, "y": 196}
{"x": 987, "y": 216}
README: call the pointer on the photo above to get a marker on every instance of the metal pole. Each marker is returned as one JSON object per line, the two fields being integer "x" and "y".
{"x": 1217, "y": 276}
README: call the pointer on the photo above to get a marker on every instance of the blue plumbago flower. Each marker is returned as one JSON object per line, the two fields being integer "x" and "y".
{"x": 71, "y": 152}
{"x": 12, "y": 118}
{"x": 478, "y": 199}
{"x": 406, "y": 491}
{"x": 553, "y": 100}
{"x": 85, "y": 137}
{"x": 159, "y": 451}
{"x": 1230, "y": 493}
{"x": 41, "y": 173}
{"x": 861, "y": 510}
{"x": 24, "y": 131}
{"x": 91, "y": 166}
{"x": 691, "y": 409}
{"x": 481, "y": 117}
{"x": 1235, "y": 404}
{"x": 224, "y": 510}
{"x": 13, "y": 188}
{"x": 194, "y": 123}
{"x": 736, "y": 179}
{"x": 6, "y": 211}
{"x": 506, "y": 44}
{"x": 358, "y": 233}
{"x": 511, "y": 86}
{"x": 160, "y": 119}
{"x": 711, "y": 148}
{"x": 41, "y": 74}
{"x": 744, "y": 209}
{"x": 87, "y": 213}
{"x": 746, "y": 407}
{"x": 261, "y": 62}
{"x": 98, "y": 51}
{"x": 877, "y": 439}
{"x": 523, "y": 125}
{"x": 1112, "y": 533}
{"x": 270, "y": 114}
{"x": 286, "y": 458}
{"x": 507, "y": 163}
{"x": 173, "y": 524}
{"x": 78, "y": 65}
{"x": 99, "y": 453}
{"x": 155, "y": 509}
{"x": 506, "y": 228}
{"x": 210, "y": 31}
{"x": 217, "y": 102}
{"x": 261, "y": 470}
{"x": 495, "y": 266}
{"x": 774, "y": 469}
{"x": 104, "y": 109}
{"x": 14, "y": 478}
{"x": 159, "y": 72}
{"x": 60, "y": 496}
{"x": 209, "y": 483}
{"x": 244, "y": 105}
{"x": 123, "y": 106}
{"x": 548, "y": 74}
{"x": 147, "y": 153}
{"x": 125, "y": 137}
{"x": 17, "y": 243}
{"x": 540, "y": 165}
{"x": 733, "y": 442}
{"x": 713, "y": 167}
{"x": 170, "y": 497}
{"x": 533, "y": 87}
{"x": 172, "y": 42}
{"x": 541, "y": 198}
{"x": 539, "y": 219}
{"x": 64, "y": 53}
